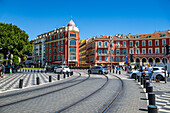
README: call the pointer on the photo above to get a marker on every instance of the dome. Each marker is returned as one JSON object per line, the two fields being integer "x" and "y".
{"x": 71, "y": 23}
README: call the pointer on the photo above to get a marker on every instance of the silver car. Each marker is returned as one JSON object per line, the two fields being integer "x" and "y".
{"x": 98, "y": 69}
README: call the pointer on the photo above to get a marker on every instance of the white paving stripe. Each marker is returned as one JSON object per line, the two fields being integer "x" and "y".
{"x": 10, "y": 79}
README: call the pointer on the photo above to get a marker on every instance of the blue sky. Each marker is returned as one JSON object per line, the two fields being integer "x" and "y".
{"x": 93, "y": 17}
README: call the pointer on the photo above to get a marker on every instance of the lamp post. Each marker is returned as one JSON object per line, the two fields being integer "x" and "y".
{"x": 111, "y": 41}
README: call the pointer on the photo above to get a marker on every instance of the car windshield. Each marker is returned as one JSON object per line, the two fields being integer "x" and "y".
{"x": 59, "y": 67}
{"x": 65, "y": 66}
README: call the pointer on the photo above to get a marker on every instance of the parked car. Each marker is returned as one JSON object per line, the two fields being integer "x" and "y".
{"x": 50, "y": 68}
{"x": 61, "y": 69}
{"x": 98, "y": 69}
{"x": 158, "y": 73}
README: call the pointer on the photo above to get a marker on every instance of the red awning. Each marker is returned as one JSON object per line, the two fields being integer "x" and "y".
{"x": 57, "y": 62}
{"x": 84, "y": 63}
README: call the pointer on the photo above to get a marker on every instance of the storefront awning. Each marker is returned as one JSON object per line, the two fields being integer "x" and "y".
{"x": 56, "y": 62}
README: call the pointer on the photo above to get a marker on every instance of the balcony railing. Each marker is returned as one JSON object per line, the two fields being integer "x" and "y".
{"x": 102, "y": 46}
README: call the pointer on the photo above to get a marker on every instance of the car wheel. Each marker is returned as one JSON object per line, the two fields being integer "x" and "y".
{"x": 133, "y": 75}
{"x": 89, "y": 72}
{"x": 100, "y": 72}
{"x": 159, "y": 77}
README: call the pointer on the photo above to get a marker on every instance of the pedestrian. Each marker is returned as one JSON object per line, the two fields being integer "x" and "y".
{"x": 149, "y": 68}
{"x": 10, "y": 71}
{"x": 3, "y": 70}
{"x": 143, "y": 70}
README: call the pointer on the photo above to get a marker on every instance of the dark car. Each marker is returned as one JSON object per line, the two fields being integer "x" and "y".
{"x": 50, "y": 68}
{"x": 7, "y": 69}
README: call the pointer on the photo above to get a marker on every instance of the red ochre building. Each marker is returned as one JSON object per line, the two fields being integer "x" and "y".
{"x": 62, "y": 45}
{"x": 149, "y": 48}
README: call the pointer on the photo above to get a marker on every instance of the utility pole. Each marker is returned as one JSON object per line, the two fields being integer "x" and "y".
{"x": 111, "y": 41}
{"x": 165, "y": 64}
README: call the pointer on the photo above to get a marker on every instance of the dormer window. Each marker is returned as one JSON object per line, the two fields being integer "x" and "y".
{"x": 136, "y": 36}
{"x": 163, "y": 35}
{"x": 149, "y": 36}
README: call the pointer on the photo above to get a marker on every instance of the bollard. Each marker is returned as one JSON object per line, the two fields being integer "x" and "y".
{"x": 31, "y": 70}
{"x": 28, "y": 70}
{"x": 110, "y": 70}
{"x": 64, "y": 76}
{"x": 151, "y": 98}
{"x": 50, "y": 78}
{"x": 113, "y": 71}
{"x": 20, "y": 70}
{"x": 150, "y": 89}
{"x": 144, "y": 83}
{"x": 38, "y": 71}
{"x": 119, "y": 72}
{"x": 58, "y": 77}
{"x": 20, "y": 83}
{"x": 152, "y": 109}
{"x": 147, "y": 84}
{"x": 41, "y": 71}
{"x": 45, "y": 71}
{"x": 38, "y": 80}
{"x": 141, "y": 80}
{"x": 116, "y": 71}
{"x": 168, "y": 74}
{"x": 34, "y": 71}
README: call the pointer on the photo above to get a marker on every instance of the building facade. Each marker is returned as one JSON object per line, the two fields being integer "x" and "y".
{"x": 59, "y": 46}
{"x": 142, "y": 48}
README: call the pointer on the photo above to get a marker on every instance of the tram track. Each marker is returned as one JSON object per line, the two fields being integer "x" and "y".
{"x": 43, "y": 94}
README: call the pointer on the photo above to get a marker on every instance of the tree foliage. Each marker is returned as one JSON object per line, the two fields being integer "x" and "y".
{"x": 14, "y": 40}
{"x": 15, "y": 60}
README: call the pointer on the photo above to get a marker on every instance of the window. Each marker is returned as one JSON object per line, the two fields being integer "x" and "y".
{"x": 136, "y": 36}
{"x": 105, "y": 58}
{"x": 54, "y": 36}
{"x": 156, "y": 50}
{"x": 73, "y": 49}
{"x": 61, "y": 49}
{"x": 117, "y": 44}
{"x": 105, "y": 52}
{"x": 54, "y": 57}
{"x": 72, "y": 35}
{"x": 150, "y": 51}
{"x": 149, "y": 36}
{"x": 54, "y": 44}
{"x": 131, "y": 43}
{"x": 72, "y": 42}
{"x": 46, "y": 45}
{"x": 117, "y": 51}
{"x": 150, "y": 42}
{"x": 100, "y": 58}
{"x": 46, "y": 51}
{"x": 99, "y": 44}
{"x": 163, "y": 42}
{"x": 105, "y": 44}
{"x": 54, "y": 51}
{"x": 58, "y": 57}
{"x": 156, "y": 42}
{"x": 163, "y": 50}
{"x": 123, "y": 58}
{"x": 137, "y": 43}
{"x": 131, "y": 51}
{"x": 58, "y": 43}
{"x": 163, "y": 35}
{"x": 46, "y": 58}
{"x": 50, "y": 37}
{"x": 61, "y": 42}
{"x": 62, "y": 35}
{"x": 143, "y": 43}
{"x": 137, "y": 51}
{"x": 50, "y": 58}
{"x": 143, "y": 51}
{"x": 117, "y": 58}
{"x": 49, "y": 45}
{"x": 72, "y": 56}
{"x": 99, "y": 51}
{"x": 124, "y": 43}
{"x": 112, "y": 51}
{"x": 124, "y": 52}
{"x": 112, "y": 58}
{"x": 49, "y": 51}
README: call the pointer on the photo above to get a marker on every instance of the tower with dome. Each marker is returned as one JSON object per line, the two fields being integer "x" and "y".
{"x": 58, "y": 47}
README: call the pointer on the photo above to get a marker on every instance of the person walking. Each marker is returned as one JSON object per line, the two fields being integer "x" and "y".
{"x": 149, "y": 69}
{"x": 3, "y": 70}
{"x": 10, "y": 71}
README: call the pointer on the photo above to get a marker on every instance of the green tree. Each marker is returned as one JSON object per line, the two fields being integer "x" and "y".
{"x": 14, "y": 40}
{"x": 15, "y": 60}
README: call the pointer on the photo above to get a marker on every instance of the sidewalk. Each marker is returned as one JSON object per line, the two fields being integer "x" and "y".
{"x": 162, "y": 94}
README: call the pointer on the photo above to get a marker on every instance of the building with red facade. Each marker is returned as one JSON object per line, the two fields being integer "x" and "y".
{"x": 61, "y": 45}
{"x": 142, "y": 48}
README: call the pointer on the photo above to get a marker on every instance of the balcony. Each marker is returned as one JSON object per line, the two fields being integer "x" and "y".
{"x": 121, "y": 46}
{"x": 103, "y": 54}
{"x": 102, "y": 46}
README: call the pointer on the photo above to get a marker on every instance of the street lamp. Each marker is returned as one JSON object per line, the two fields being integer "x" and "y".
{"x": 111, "y": 41}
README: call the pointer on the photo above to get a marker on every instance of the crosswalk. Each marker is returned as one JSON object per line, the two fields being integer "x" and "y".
{"x": 11, "y": 82}
{"x": 163, "y": 103}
